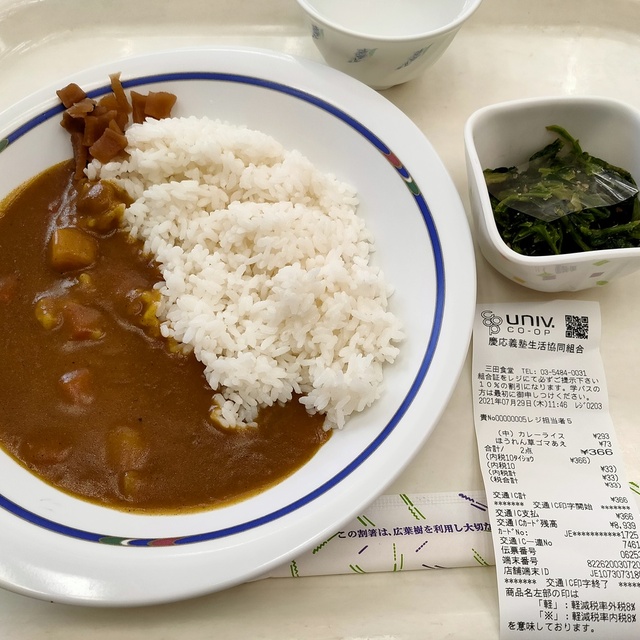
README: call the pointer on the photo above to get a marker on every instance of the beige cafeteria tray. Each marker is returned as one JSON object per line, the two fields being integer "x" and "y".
{"x": 510, "y": 49}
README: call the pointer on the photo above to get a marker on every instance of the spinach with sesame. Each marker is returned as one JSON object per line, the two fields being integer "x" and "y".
{"x": 564, "y": 201}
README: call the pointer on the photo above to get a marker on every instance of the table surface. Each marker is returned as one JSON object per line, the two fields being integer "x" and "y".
{"x": 510, "y": 49}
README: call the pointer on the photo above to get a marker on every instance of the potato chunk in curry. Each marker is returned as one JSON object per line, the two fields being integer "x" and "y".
{"x": 72, "y": 249}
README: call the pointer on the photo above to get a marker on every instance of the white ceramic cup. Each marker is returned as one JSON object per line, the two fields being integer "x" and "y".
{"x": 385, "y": 42}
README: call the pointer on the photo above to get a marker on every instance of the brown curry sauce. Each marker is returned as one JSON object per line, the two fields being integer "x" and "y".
{"x": 92, "y": 400}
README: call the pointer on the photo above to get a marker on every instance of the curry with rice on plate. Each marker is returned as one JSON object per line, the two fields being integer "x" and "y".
{"x": 159, "y": 370}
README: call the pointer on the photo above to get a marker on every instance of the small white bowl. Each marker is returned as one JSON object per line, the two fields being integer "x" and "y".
{"x": 507, "y": 134}
{"x": 385, "y": 42}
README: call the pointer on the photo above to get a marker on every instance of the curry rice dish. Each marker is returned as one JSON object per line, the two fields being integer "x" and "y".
{"x": 102, "y": 393}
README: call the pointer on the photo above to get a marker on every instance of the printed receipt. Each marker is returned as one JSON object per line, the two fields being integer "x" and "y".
{"x": 565, "y": 522}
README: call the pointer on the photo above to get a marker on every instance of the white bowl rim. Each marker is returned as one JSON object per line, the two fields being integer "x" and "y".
{"x": 487, "y": 211}
{"x": 463, "y": 16}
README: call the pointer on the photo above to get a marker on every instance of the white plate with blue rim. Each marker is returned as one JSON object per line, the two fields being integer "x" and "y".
{"x": 59, "y": 548}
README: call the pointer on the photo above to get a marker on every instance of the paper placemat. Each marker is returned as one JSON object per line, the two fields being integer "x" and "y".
{"x": 404, "y": 532}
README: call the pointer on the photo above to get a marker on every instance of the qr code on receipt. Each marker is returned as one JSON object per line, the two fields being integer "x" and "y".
{"x": 576, "y": 327}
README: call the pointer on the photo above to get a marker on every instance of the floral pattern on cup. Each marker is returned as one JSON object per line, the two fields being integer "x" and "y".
{"x": 316, "y": 32}
{"x": 362, "y": 54}
{"x": 414, "y": 56}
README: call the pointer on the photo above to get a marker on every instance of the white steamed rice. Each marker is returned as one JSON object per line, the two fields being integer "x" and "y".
{"x": 265, "y": 265}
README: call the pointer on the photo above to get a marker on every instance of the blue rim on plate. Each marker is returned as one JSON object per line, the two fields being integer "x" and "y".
{"x": 425, "y": 213}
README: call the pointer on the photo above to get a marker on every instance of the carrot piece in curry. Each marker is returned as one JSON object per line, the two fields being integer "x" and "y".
{"x": 8, "y": 287}
{"x": 77, "y": 386}
{"x": 83, "y": 322}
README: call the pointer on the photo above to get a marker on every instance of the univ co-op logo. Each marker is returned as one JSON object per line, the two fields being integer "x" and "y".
{"x": 491, "y": 321}
{"x": 517, "y": 323}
